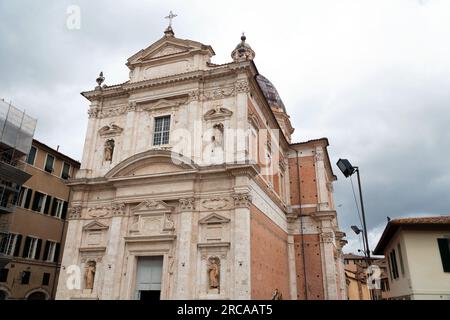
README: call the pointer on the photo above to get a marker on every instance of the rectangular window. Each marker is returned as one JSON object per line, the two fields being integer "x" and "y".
{"x": 49, "y": 163}
{"x": 57, "y": 208}
{"x": 8, "y": 244}
{"x": 65, "y": 174}
{"x": 46, "y": 279}
{"x": 25, "y": 277}
{"x": 28, "y": 196}
{"x": 39, "y": 202}
{"x": 32, "y": 248}
{"x": 394, "y": 264}
{"x": 49, "y": 251}
{"x": 444, "y": 249}
{"x": 402, "y": 267}
{"x": 161, "y": 132}
{"x": 4, "y": 275}
{"x": 32, "y": 156}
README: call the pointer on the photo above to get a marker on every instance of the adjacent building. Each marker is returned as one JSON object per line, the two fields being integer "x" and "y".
{"x": 191, "y": 188}
{"x": 418, "y": 257}
{"x": 38, "y": 226}
{"x": 16, "y": 134}
{"x": 356, "y": 276}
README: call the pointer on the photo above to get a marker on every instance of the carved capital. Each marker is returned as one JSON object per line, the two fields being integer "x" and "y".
{"x": 75, "y": 213}
{"x": 327, "y": 237}
{"x": 187, "y": 204}
{"x": 193, "y": 96}
{"x": 118, "y": 209}
{"x": 93, "y": 112}
{"x": 242, "y": 200}
{"x": 242, "y": 86}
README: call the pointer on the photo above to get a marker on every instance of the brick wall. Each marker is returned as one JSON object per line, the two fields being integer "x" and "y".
{"x": 308, "y": 186}
{"x": 269, "y": 257}
{"x": 313, "y": 266}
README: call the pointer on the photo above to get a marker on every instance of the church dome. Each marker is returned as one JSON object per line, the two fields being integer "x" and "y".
{"x": 270, "y": 92}
{"x": 243, "y": 51}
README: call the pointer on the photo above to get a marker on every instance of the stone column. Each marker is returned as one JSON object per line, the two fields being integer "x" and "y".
{"x": 321, "y": 178}
{"x": 112, "y": 260}
{"x": 241, "y": 269}
{"x": 185, "y": 265}
{"x": 329, "y": 264}
{"x": 71, "y": 255}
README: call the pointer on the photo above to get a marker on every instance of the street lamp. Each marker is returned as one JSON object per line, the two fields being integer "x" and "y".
{"x": 356, "y": 229}
{"x": 347, "y": 169}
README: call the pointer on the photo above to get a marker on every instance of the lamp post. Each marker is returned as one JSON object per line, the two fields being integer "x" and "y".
{"x": 347, "y": 169}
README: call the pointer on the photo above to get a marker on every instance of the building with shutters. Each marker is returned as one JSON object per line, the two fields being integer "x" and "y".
{"x": 417, "y": 251}
{"x": 38, "y": 226}
{"x": 191, "y": 188}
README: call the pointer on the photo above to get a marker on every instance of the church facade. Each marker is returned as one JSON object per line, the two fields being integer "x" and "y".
{"x": 190, "y": 188}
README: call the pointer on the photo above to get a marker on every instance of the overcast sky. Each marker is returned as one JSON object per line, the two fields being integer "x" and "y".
{"x": 372, "y": 76}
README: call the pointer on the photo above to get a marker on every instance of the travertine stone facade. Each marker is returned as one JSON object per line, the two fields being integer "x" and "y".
{"x": 220, "y": 187}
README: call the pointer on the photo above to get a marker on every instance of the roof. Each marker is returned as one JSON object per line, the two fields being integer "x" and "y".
{"x": 421, "y": 223}
{"x": 57, "y": 153}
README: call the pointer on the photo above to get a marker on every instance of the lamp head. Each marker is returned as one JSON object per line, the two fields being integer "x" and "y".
{"x": 345, "y": 166}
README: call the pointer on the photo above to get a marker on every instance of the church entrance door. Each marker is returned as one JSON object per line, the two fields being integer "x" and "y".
{"x": 148, "y": 278}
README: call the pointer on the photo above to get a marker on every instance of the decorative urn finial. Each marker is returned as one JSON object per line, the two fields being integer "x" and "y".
{"x": 100, "y": 80}
{"x": 243, "y": 51}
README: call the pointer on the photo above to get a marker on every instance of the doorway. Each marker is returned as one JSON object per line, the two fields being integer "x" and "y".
{"x": 148, "y": 278}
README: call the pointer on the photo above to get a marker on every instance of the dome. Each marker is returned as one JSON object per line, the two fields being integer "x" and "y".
{"x": 270, "y": 92}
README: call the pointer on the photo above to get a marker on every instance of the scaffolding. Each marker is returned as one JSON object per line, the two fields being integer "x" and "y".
{"x": 16, "y": 136}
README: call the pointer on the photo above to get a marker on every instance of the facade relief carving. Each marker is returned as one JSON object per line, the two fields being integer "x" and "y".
{"x": 215, "y": 203}
{"x": 110, "y": 130}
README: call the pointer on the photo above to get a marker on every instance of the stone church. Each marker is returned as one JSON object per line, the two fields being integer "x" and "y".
{"x": 191, "y": 188}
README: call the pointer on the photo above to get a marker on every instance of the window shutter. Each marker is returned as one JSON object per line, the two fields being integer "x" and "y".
{"x": 26, "y": 247}
{"x": 53, "y": 211}
{"x": 46, "y": 249}
{"x": 64, "y": 210}
{"x": 444, "y": 248}
{"x": 57, "y": 250}
{"x": 28, "y": 199}
{"x": 37, "y": 196}
{"x": 18, "y": 243}
{"x": 37, "y": 256}
{"x": 48, "y": 201}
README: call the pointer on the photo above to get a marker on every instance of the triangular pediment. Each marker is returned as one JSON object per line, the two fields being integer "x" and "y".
{"x": 149, "y": 206}
{"x": 214, "y": 218}
{"x": 95, "y": 226}
{"x": 168, "y": 47}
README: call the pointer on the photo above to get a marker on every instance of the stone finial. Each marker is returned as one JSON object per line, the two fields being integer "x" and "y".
{"x": 243, "y": 51}
{"x": 169, "y": 31}
{"x": 100, "y": 80}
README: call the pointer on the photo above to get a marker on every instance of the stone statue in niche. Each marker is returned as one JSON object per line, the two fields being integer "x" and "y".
{"x": 214, "y": 273}
{"x": 217, "y": 137}
{"x": 90, "y": 274}
{"x": 109, "y": 150}
{"x": 277, "y": 295}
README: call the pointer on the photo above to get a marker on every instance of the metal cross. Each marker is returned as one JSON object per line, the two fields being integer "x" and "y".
{"x": 170, "y": 17}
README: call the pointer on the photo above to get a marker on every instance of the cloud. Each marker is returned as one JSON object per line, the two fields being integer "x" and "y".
{"x": 372, "y": 76}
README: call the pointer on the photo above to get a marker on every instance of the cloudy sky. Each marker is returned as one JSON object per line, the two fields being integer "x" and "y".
{"x": 372, "y": 76}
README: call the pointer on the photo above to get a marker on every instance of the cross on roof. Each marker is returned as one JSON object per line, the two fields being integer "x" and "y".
{"x": 170, "y": 17}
